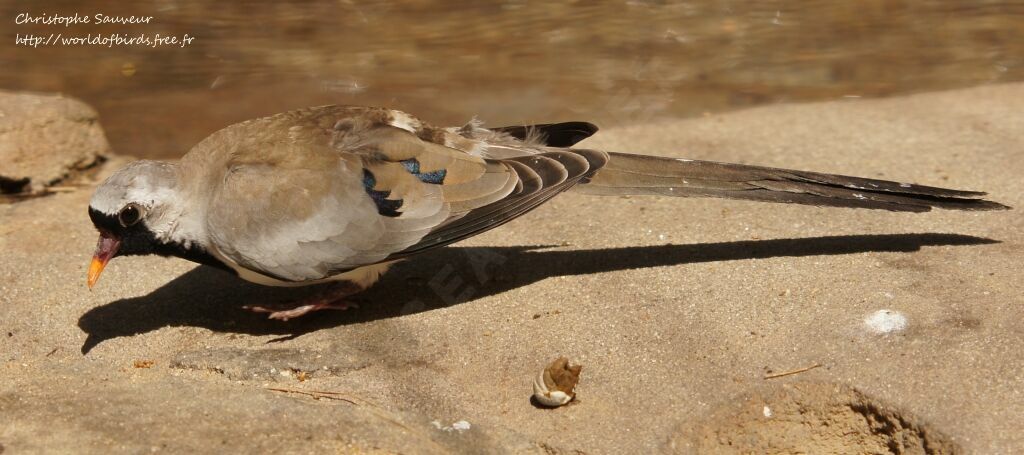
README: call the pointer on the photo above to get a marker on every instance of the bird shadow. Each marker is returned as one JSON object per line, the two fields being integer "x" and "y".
{"x": 210, "y": 298}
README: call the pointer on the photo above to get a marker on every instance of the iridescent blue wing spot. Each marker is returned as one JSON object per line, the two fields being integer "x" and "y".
{"x": 385, "y": 206}
{"x": 413, "y": 166}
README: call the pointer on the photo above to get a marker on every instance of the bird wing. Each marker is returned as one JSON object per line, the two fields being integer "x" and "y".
{"x": 309, "y": 194}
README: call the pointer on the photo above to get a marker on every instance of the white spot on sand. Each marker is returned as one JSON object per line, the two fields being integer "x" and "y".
{"x": 884, "y": 322}
{"x": 767, "y": 411}
{"x": 459, "y": 426}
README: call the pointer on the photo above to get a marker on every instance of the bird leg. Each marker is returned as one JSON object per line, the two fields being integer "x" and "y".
{"x": 331, "y": 298}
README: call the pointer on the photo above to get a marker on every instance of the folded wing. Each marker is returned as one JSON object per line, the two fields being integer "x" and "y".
{"x": 374, "y": 192}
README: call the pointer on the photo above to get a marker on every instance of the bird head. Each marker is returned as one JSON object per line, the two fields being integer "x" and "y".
{"x": 131, "y": 210}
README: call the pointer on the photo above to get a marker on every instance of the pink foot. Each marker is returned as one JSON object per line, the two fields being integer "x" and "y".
{"x": 293, "y": 312}
{"x": 330, "y": 299}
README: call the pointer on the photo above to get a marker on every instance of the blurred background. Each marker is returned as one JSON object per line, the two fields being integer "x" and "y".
{"x": 507, "y": 62}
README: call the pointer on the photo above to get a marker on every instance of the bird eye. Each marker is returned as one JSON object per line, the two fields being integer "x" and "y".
{"x": 129, "y": 215}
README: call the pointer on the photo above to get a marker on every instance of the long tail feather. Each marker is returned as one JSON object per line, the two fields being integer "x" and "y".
{"x": 640, "y": 174}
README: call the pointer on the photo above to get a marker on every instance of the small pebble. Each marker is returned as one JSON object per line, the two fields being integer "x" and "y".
{"x": 556, "y": 385}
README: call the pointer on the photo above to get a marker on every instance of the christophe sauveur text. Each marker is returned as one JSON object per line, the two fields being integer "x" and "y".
{"x": 67, "y": 21}
{"x": 93, "y": 39}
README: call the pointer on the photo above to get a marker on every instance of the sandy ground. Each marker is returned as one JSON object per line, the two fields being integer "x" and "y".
{"x": 677, "y": 309}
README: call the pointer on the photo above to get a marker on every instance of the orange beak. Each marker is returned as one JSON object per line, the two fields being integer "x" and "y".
{"x": 106, "y": 248}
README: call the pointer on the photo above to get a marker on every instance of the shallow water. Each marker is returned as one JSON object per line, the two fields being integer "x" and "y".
{"x": 609, "y": 62}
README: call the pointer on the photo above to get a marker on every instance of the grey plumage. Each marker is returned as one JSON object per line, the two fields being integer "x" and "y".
{"x": 338, "y": 192}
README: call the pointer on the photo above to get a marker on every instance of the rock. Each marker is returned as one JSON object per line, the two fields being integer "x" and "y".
{"x": 45, "y": 138}
{"x": 811, "y": 417}
{"x": 154, "y": 412}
